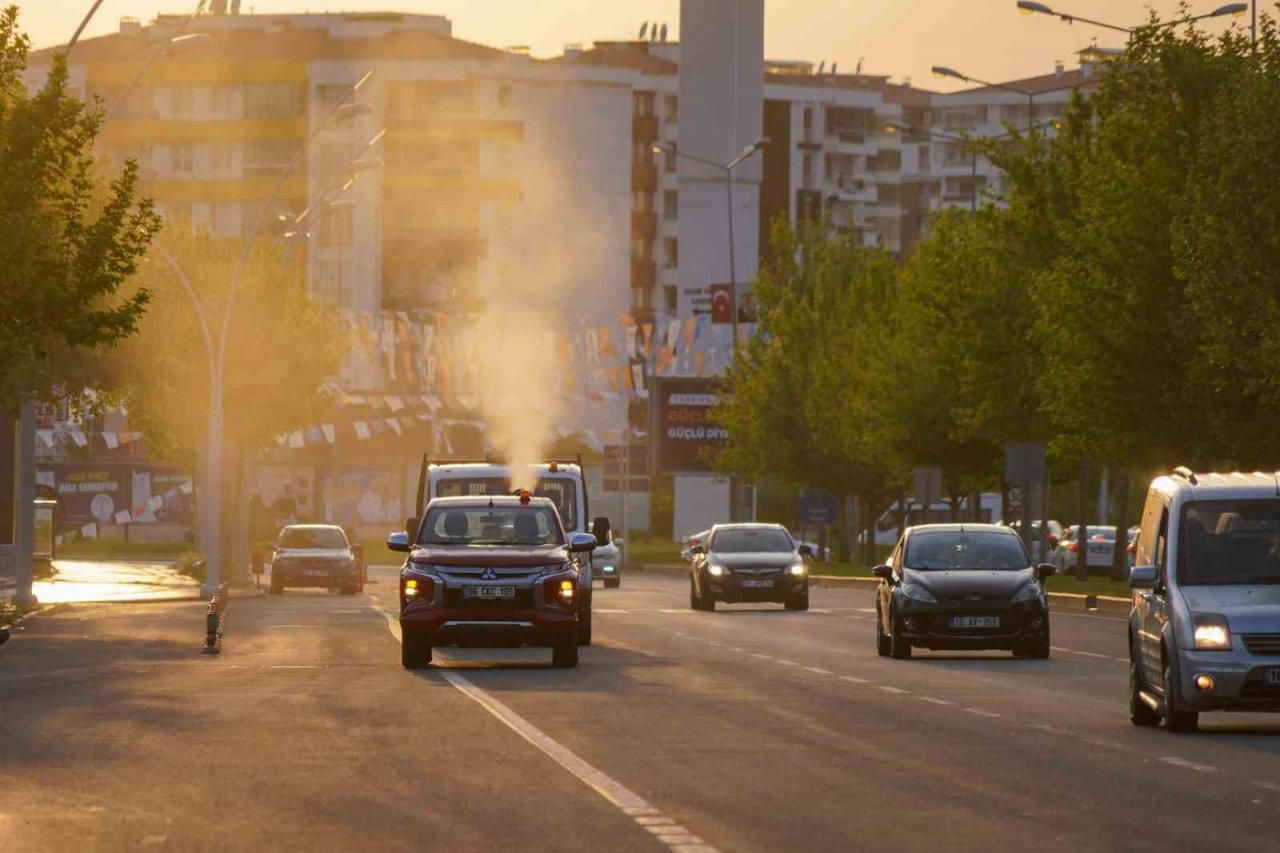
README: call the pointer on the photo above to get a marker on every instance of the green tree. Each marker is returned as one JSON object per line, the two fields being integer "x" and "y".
{"x": 67, "y": 243}
{"x": 282, "y": 346}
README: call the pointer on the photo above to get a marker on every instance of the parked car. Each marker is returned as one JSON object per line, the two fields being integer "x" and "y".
{"x": 1037, "y": 534}
{"x": 749, "y": 563}
{"x": 1204, "y": 629}
{"x": 953, "y": 586}
{"x": 314, "y": 555}
{"x": 1098, "y": 550}
{"x": 886, "y": 533}
{"x": 491, "y": 572}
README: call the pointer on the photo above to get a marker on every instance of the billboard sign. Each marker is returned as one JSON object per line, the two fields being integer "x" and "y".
{"x": 683, "y": 437}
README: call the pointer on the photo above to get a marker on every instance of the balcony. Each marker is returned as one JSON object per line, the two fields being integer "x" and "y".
{"x": 644, "y": 128}
{"x": 644, "y": 177}
{"x": 849, "y": 188}
{"x": 644, "y": 224}
{"x": 643, "y": 273}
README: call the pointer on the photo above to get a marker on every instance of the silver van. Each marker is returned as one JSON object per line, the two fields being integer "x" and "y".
{"x": 1204, "y": 627}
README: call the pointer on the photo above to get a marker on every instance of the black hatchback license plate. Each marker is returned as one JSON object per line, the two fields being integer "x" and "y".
{"x": 489, "y": 593}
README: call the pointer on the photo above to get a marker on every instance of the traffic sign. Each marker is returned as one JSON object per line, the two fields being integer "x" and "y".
{"x": 1024, "y": 462}
{"x": 926, "y": 487}
{"x": 818, "y": 508}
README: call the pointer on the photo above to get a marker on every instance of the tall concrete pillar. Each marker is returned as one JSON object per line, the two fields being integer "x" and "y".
{"x": 721, "y": 113}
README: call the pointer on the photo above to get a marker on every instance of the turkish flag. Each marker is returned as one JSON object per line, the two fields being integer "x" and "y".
{"x": 721, "y": 304}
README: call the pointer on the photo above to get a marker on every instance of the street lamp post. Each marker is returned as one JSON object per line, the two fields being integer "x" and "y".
{"x": 212, "y": 501}
{"x": 944, "y": 71}
{"x": 1235, "y": 10}
{"x": 728, "y": 169}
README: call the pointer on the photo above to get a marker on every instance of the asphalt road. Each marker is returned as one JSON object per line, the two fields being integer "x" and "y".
{"x": 746, "y": 729}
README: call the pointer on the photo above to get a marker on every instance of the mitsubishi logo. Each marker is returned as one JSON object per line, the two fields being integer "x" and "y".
{"x": 488, "y": 575}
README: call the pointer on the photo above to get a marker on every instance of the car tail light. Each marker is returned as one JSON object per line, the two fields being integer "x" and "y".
{"x": 1073, "y": 546}
{"x": 560, "y": 590}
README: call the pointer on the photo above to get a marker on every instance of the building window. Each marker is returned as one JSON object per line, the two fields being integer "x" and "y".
{"x": 670, "y": 253}
{"x": 806, "y": 179}
{"x": 671, "y": 109}
{"x": 182, "y": 100}
{"x": 670, "y": 204}
{"x": 808, "y": 121}
{"x": 221, "y": 158}
{"x": 224, "y": 101}
{"x": 182, "y": 158}
{"x": 670, "y": 157}
{"x": 225, "y": 219}
{"x": 272, "y": 100}
{"x": 642, "y": 103}
{"x": 924, "y": 159}
{"x": 504, "y": 97}
{"x": 335, "y": 227}
{"x": 669, "y": 299}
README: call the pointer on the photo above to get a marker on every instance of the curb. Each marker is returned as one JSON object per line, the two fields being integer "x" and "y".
{"x": 1064, "y": 600}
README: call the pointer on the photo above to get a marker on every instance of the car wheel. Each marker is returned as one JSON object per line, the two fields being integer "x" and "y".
{"x": 1140, "y": 713}
{"x": 565, "y": 655}
{"x": 899, "y": 648}
{"x": 276, "y": 587}
{"x": 415, "y": 651}
{"x": 612, "y": 583}
{"x": 882, "y": 639}
{"x": 584, "y": 629}
{"x": 798, "y": 603}
{"x": 350, "y": 589}
{"x": 1176, "y": 721}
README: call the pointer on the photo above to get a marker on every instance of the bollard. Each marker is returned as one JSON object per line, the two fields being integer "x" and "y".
{"x": 213, "y": 621}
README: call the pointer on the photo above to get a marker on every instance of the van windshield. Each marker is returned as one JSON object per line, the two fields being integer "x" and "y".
{"x": 561, "y": 491}
{"x": 1229, "y": 542}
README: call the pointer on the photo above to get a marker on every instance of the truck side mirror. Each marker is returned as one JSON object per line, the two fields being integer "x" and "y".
{"x": 600, "y": 529}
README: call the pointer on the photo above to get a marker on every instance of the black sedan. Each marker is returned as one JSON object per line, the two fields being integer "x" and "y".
{"x": 961, "y": 587}
{"x": 749, "y": 563}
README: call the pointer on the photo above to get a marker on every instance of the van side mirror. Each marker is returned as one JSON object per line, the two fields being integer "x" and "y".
{"x": 600, "y": 529}
{"x": 1143, "y": 577}
{"x": 398, "y": 542}
{"x": 883, "y": 571}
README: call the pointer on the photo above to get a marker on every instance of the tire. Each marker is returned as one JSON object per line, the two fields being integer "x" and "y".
{"x": 584, "y": 629}
{"x": 612, "y": 583}
{"x": 276, "y": 587}
{"x": 1176, "y": 721}
{"x": 709, "y": 604}
{"x": 565, "y": 655}
{"x": 798, "y": 604}
{"x": 1140, "y": 713}
{"x": 415, "y": 652}
{"x": 350, "y": 589}
{"x": 1034, "y": 649}
{"x": 899, "y": 648}
{"x": 883, "y": 642}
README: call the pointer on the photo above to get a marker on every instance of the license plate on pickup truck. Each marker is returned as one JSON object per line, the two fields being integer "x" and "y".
{"x": 757, "y": 584}
{"x": 975, "y": 621}
{"x": 1271, "y": 677}
{"x": 487, "y": 593}
{"x": 317, "y": 573}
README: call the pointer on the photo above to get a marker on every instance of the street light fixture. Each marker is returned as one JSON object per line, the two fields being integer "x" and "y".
{"x": 1235, "y": 10}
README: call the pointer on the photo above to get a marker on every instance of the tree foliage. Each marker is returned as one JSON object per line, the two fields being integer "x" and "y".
{"x": 67, "y": 243}
{"x": 282, "y": 346}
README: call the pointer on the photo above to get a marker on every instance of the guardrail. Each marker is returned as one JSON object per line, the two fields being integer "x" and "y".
{"x": 213, "y": 621}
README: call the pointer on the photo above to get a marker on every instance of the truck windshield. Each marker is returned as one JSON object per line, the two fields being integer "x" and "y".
{"x": 561, "y": 491}
{"x": 484, "y": 525}
{"x": 1229, "y": 542}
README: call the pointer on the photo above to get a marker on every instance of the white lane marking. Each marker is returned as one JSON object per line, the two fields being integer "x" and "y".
{"x": 982, "y": 713}
{"x": 296, "y": 666}
{"x": 816, "y": 610}
{"x": 1093, "y": 655}
{"x": 734, "y": 649}
{"x": 603, "y": 610}
{"x": 933, "y": 701}
{"x": 1189, "y": 765}
{"x": 627, "y": 801}
{"x": 891, "y": 689}
{"x": 762, "y": 657}
{"x": 865, "y": 609}
{"x": 1270, "y": 786}
{"x": 673, "y": 610}
{"x": 819, "y": 670}
{"x": 786, "y": 662}
{"x": 1059, "y": 649}
{"x": 853, "y": 679}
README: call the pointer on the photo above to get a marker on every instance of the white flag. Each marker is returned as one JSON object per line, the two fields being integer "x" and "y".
{"x": 295, "y": 439}
{"x": 395, "y": 403}
{"x": 185, "y": 488}
{"x": 394, "y": 424}
{"x": 112, "y": 440}
{"x": 330, "y": 434}
{"x": 362, "y": 430}
{"x": 46, "y": 435}
{"x": 124, "y": 517}
{"x": 89, "y": 531}
{"x": 78, "y": 436}
{"x": 155, "y": 503}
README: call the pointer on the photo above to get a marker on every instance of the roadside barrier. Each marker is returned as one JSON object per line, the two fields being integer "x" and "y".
{"x": 213, "y": 621}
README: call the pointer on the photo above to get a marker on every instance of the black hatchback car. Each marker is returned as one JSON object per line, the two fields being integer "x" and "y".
{"x": 961, "y": 587}
{"x": 742, "y": 563}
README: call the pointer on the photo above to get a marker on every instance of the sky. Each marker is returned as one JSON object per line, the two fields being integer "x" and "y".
{"x": 985, "y": 39}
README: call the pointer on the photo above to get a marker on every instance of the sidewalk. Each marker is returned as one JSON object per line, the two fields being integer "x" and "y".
{"x": 101, "y": 580}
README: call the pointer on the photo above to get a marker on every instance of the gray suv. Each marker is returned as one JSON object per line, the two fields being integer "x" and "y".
{"x": 1204, "y": 627}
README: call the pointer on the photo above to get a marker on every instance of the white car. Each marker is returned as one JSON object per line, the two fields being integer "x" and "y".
{"x": 606, "y": 563}
{"x": 1099, "y": 548}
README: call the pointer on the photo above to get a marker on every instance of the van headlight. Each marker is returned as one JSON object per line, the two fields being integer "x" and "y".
{"x": 1211, "y": 632}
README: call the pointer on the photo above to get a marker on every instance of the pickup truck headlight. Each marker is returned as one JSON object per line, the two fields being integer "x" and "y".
{"x": 915, "y": 592}
{"x": 1211, "y": 632}
{"x": 1030, "y": 592}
